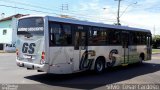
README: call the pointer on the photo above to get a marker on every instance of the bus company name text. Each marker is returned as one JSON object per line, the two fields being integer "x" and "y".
{"x": 31, "y": 29}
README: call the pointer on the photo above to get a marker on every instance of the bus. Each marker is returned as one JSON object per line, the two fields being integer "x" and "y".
{"x": 64, "y": 45}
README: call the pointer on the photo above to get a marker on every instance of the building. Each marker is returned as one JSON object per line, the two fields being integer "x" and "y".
{"x": 8, "y": 32}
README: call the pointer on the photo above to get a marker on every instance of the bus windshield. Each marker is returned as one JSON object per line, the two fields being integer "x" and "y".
{"x": 31, "y": 26}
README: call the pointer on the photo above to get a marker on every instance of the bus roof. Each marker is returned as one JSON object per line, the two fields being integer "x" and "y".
{"x": 76, "y": 21}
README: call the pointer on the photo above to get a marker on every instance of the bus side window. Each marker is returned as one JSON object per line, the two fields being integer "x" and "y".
{"x": 144, "y": 38}
{"x": 115, "y": 37}
{"x": 95, "y": 36}
{"x": 139, "y": 38}
{"x": 134, "y": 38}
{"x": 103, "y": 36}
{"x": 60, "y": 34}
{"x": 54, "y": 31}
{"x": 67, "y": 35}
{"x": 76, "y": 41}
{"x": 52, "y": 39}
{"x": 90, "y": 36}
{"x": 98, "y": 36}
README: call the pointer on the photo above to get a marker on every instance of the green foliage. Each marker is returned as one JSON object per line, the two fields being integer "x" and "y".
{"x": 156, "y": 41}
{"x": 155, "y": 51}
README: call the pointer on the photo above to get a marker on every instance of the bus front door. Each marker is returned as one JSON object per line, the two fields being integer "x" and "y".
{"x": 125, "y": 47}
{"x": 80, "y": 50}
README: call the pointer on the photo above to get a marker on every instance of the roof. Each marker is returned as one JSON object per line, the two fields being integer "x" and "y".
{"x": 10, "y": 17}
{"x": 75, "y": 21}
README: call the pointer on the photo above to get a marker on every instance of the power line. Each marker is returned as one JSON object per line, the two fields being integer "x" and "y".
{"x": 66, "y": 7}
{"x": 27, "y": 9}
{"x": 127, "y": 8}
{"x": 39, "y": 7}
{"x": 25, "y": 4}
{"x": 48, "y": 12}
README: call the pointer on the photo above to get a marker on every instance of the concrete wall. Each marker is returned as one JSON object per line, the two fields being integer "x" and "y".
{"x": 6, "y": 24}
{"x": 14, "y": 30}
{"x": 6, "y": 38}
{"x": 9, "y": 38}
{"x": 9, "y": 47}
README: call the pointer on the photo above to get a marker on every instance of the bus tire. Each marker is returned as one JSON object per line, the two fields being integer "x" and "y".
{"x": 141, "y": 58}
{"x": 99, "y": 65}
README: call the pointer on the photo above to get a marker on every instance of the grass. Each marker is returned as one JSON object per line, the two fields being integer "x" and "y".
{"x": 1, "y": 51}
{"x": 155, "y": 51}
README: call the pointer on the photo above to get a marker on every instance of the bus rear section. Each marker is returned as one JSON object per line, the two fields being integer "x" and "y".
{"x": 30, "y": 45}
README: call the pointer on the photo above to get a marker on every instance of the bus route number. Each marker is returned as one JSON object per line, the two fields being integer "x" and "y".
{"x": 28, "y": 48}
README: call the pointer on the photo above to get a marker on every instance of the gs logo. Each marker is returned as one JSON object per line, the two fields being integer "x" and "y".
{"x": 28, "y": 48}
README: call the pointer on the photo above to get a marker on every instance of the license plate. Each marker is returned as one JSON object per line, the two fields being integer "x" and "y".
{"x": 27, "y": 56}
{"x": 30, "y": 59}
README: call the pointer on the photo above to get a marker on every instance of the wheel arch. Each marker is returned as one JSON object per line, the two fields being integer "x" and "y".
{"x": 142, "y": 55}
{"x": 98, "y": 58}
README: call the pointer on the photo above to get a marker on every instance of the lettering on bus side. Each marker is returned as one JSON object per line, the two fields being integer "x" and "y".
{"x": 86, "y": 62}
{"x": 112, "y": 58}
{"x": 28, "y": 48}
{"x": 31, "y": 46}
{"x": 25, "y": 47}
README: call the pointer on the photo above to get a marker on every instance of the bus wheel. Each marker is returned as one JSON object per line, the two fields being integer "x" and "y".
{"x": 99, "y": 66}
{"x": 140, "y": 60}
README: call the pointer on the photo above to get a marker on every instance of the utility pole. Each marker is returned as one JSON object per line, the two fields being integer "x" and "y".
{"x": 154, "y": 30}
{"x": 64, "y": 7}
{"x": 118, "y": 12}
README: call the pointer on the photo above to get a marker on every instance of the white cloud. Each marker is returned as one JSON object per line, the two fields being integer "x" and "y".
{"x": 138, "y": 15}
{"x": 142, "y": 16}
{"x": 143, "y": 20}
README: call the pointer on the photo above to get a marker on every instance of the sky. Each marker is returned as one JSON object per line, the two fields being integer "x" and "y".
{"x": 133, "y": 13}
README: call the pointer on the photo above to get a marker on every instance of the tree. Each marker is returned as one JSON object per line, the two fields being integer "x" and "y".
{"x": 156, "y": 41}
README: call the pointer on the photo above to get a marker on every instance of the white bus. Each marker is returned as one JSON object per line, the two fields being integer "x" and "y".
{"x": 61, "y": 46}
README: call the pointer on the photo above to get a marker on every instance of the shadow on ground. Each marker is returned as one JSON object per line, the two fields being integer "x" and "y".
{"x": 89, "y": 80}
